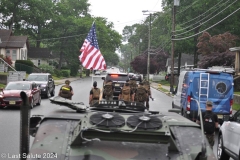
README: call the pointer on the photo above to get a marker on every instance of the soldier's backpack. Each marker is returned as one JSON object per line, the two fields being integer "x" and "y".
{"x": 133, "y": 85}
{"x": 65, "y": 92}
{"x": 96, "y": 93}
{"x": 108, "y": 91}
{"x": 126, "y": 93}
{"x": 147, "y": 87}
{"x": 209, "y": 123}
{"x": 141, "y": 94}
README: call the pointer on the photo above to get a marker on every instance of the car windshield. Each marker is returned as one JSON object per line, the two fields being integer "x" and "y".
{"x": 37, "y": 78}
{"x": 17, "y": 86}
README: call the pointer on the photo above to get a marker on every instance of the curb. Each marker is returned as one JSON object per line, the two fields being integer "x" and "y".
{"x": 156, "y": 88}
{"x": 63, "y": 80}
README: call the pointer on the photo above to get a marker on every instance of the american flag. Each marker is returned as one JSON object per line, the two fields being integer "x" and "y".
{"x": 91, "y": 57}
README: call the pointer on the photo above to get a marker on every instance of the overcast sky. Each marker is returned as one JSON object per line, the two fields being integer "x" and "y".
{"x": 123, "y": 12}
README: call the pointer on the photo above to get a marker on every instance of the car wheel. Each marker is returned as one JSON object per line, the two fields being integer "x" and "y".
{"x": 53, "y": 92}
{"x": 221, "y": 154}
{"x": 32, "y": 103}
{"x": 39, "y": 100}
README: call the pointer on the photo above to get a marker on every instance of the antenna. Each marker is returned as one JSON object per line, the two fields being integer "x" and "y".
{"x": 201, "y": 121}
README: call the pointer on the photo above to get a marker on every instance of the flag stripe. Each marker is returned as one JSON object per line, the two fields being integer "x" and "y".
{"x": 91, "y": 57}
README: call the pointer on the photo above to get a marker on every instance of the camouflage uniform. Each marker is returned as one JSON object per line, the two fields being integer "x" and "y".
{"x": 136, "y": 98}
{"x": 109, "y": 97}
{"x": 147, "y": 87}
{"x": 133, "y": 85}
{"x": 210, "y": 138}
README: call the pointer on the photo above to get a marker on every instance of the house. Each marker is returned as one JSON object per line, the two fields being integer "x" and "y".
{"x": 15, "y": 47}
{"x": 40, "y": 56}
{"x": 186, "y": 63}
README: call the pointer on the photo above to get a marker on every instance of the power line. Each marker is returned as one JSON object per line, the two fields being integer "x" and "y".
{"x": 187, "y": 7}
{"x": 206, "y": 20}
{"x": 200, "y": 14}
{"x": 206, "y": 28}
{"x": 201, "y": 19}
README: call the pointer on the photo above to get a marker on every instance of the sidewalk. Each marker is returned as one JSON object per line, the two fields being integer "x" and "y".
{"x": 157, "y": 87}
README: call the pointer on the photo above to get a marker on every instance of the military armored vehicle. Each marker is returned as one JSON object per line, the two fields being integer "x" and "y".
{"x": 111, "y": 130}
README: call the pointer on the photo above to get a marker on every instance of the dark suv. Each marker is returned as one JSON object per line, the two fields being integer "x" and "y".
{"x": 45, "y": 82}
{"x": 118, "y": 80}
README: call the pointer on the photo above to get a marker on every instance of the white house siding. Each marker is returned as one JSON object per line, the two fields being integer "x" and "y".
{"x": 42, "y": 61}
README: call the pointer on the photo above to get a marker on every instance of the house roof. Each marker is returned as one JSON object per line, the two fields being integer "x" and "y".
{"x": 10, "y": 41}
{"x": 40, "y": 53}
{"x": 4, "y": 36}
{"x": 17, "y": 41}
{"x": 185, "y": 58}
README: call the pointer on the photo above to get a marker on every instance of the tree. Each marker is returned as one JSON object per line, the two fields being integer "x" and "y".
{"x": 215, "y": 49}
{"x": 219, "y": 43}
{"x": 7, "y": 59}
{"x": 226, "y": 58}
{"x": 157, "y": 62}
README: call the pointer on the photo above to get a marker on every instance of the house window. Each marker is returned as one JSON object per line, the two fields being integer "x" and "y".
{"x": 8, "y": 53}
{"x": 14, "y": 55}
{"x": 11, "y": 53}
{"x": 39, "y": 62}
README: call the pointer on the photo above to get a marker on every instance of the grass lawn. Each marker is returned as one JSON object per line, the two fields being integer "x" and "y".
{"x": 236, "y": 107}
{"x": 165, "y": 83}
{"x": 238, "y": 93}
{"x": 162, "y": 89}
{"x": 2, "y": 85}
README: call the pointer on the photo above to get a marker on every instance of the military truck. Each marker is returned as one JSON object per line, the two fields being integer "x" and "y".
{"x": 111, "y": 130}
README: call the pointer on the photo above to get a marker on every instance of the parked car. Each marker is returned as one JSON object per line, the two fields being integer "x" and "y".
{"x": 229, "y": 139}
{"x": 45, "y": 82}
{"x": 97, "y": 73}
{"x": 131, "y": 76}
{"x": 10, "y": 96}
{"x": 138, "y": 77}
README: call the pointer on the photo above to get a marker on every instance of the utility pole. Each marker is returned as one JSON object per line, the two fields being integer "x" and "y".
{"x": 149, "y": 41}
{"x": 176, "y": 3}
{"x": 149, "y": 46}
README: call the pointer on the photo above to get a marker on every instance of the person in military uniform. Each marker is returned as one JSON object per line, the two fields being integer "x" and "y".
{"x": 108, "y": 90}
{"x": 94, "y": 94}
{"x": 126, "y": 93}
{"x": 133, "y": 85}
{"x": 210, "y": 123}
{"x": 146, "y": 85}
{"x": 66, "y": 91}
{"x": 140, "y": 94}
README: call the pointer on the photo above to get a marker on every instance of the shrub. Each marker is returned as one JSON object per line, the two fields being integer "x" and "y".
{"x": 24, "y": 65}
{"x": 74, "y": 70}
{"x": 46, "y": 68}
{"x": 57, "y": 73}
{"x": 65, "y": 73}
{"x": 65, "y": 67}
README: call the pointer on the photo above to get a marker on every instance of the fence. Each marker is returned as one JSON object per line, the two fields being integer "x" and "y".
{"x": 16, "y": 76}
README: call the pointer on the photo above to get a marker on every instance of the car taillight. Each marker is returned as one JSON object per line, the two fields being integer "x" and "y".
{"x": 231, "y": 103}
{"x": 188, "y": 103}
{"x": 114, "y": 75}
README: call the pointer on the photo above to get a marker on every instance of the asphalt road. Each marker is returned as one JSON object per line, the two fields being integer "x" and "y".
{"x": 10, "y": 117}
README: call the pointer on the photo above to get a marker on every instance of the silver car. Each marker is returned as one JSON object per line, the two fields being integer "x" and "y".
{"x": 229, "y": 139}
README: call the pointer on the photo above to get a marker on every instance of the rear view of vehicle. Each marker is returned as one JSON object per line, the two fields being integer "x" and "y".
{"x": 118, "y": 79}
{"x": 208, "y": 85}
